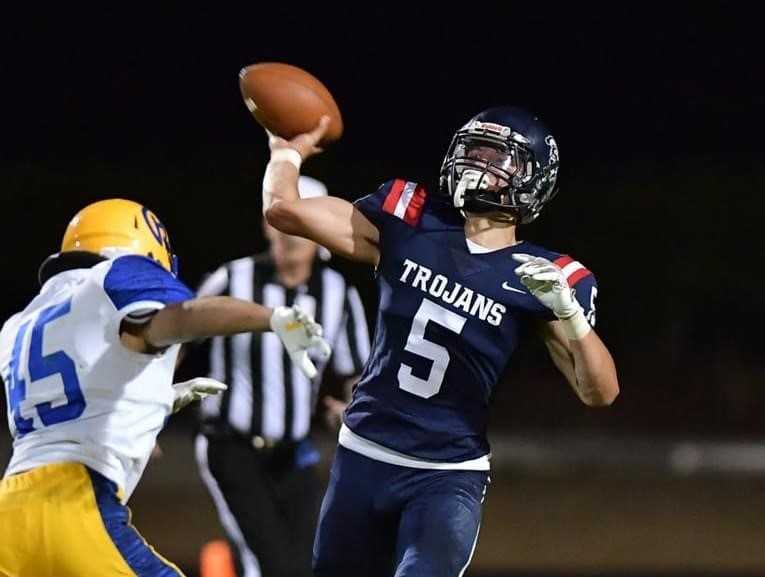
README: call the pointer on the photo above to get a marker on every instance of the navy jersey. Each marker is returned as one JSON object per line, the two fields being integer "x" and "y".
{"x": 448, "y": 322}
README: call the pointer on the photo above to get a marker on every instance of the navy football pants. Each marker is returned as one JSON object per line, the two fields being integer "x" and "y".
{"x": 381, "y": 520}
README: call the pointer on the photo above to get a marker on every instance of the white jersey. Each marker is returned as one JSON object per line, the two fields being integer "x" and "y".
{"x": 75, "y": 393}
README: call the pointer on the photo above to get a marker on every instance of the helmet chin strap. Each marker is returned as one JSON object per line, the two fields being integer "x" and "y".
{"x": 470, "y": 180}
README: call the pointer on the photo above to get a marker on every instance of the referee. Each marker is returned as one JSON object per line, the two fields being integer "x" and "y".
{"x": 254, "y": 451}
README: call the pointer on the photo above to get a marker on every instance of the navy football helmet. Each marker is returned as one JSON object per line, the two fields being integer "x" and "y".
{"x": 504, "y": 159}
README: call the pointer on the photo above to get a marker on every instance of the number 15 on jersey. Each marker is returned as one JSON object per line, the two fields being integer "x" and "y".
{"x": 40, "y": 366}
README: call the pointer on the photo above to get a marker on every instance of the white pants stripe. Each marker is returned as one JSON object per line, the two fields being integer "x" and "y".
{"x": 227, "y": 519}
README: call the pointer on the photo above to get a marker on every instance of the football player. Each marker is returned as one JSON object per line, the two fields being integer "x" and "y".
{"x": 87, "y": 368}
{"x": 456, "y": 286}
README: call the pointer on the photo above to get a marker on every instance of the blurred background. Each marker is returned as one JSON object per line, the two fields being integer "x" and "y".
{"x": 658, "y": 118}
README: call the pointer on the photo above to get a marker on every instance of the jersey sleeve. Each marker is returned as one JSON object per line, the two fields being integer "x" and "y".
{"x": 138, "y": 287}
{"x": 582, "y": 282}
{"x": 586, "y": 291}
{"x": 398, "y": 198}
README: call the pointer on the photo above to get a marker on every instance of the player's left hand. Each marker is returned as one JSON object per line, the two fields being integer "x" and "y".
{"x": 306, "y": 144}
{"x": 546, "y": 281}
{"x": 299, "y": 333}
{"x": 195, "y": 390}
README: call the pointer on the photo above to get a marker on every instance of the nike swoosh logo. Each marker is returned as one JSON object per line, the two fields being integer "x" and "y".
{"x": 507, "y": 287}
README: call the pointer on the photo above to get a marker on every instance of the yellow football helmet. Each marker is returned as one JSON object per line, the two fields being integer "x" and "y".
{"x": 117, "y": 226}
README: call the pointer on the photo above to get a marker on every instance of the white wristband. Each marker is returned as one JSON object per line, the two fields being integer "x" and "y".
{"x": 287, "y": 155}
{"x": 576, "y": 326}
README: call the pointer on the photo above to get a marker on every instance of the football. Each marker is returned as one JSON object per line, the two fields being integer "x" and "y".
{"x": 287, "y": 100}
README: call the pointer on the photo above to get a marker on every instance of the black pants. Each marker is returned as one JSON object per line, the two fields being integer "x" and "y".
{"x": 267, "y": 505}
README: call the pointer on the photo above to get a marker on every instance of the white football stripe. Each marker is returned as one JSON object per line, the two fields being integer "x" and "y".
{"x": 404, "y": 199}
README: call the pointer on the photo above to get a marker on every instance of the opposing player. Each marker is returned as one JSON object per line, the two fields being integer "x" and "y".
{"x": 87, "y": 368}
{"x": 456, "y": 286}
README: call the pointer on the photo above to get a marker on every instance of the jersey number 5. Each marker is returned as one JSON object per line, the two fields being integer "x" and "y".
{"x": 419, "y": 345}
{"x": 41, "y": 366}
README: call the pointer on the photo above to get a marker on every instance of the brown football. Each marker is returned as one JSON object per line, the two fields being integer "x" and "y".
{"x": 287, "y": 100}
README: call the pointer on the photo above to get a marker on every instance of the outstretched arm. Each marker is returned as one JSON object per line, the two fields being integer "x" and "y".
{"x": 574, "y": 346}
{"x": 204, "y": 317}
{"x": 223, "y": 316}
{"x": 331, "y": 222}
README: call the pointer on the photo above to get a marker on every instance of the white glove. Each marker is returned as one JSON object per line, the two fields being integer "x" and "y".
{"x": 299, "y": 332}
{"x": 546, "y": 281}
{"x": 195, "y": 390}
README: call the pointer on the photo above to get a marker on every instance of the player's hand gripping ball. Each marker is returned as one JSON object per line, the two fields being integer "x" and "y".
{"x": 288, "y": 101}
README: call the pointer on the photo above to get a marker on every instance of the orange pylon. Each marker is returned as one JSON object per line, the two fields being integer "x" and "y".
{"x": 216, "y": 560}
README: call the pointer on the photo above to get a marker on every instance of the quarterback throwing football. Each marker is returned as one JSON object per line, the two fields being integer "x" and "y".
{"x": 455, "y": 286}
{"x": 87, "y": 368}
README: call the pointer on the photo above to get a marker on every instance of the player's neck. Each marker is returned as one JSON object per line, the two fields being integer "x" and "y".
{"x": 489, "y": 233}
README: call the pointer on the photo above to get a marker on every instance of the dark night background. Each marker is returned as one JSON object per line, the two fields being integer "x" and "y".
{"x": 657, "y": 114}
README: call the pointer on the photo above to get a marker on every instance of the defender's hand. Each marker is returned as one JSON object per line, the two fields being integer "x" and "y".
{"x": 546, "y": 281}
{"x": 195, "y": 390}
{"x": 305, "y": 144}
{"x": 299, "y": 333}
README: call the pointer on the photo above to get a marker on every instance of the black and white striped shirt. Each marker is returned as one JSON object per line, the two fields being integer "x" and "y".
{"x": 267, "y": 395}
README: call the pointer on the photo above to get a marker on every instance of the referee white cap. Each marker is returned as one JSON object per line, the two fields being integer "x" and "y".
{"x": 310, "y": 187}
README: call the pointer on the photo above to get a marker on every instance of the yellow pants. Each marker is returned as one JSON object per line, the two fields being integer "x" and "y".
{"x": 65, "y": 520}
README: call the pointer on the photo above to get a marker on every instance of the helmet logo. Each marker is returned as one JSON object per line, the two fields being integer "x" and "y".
{"x": 550, "y": 141}
{"x": 157, "y": 229}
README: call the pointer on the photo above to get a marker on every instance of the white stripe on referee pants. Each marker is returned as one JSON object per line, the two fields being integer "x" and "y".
{"x": 246, "y": 556}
